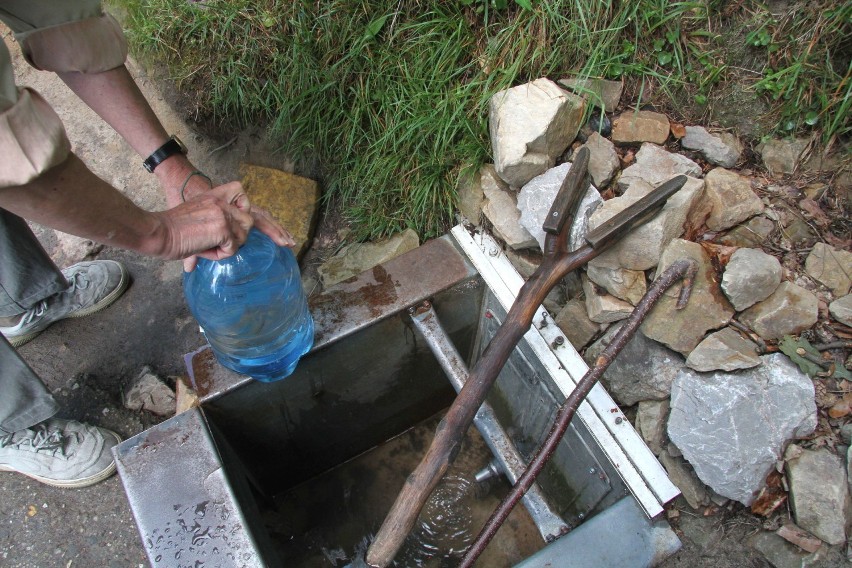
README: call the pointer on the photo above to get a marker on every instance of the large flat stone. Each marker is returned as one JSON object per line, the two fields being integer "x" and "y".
{"x": 750, "y": 277}
{"x": 633, "y": 127}
{"x": 642, "y": 247}
{"x": 501, "y": 209}
{"x": 731, "y": 199}
{"x": 576, "y": 325}
{"x": 358, "y": 257}
{"x": 656, "y": 165}
{"x": 602, "y": 307}
{"x": 789, "y": 310}
{"x": 292, "y": 200}
{"x": 536, "y": 198}
{"x": 782, "y": 156}
{"x": 644, "y": 370}
{"x": 651, "y": 418}
{"x": 600, "y": 92}
{"x": 733, "y": 427}
{"x": 831, "y": 267}
{"x": 530, "y": 126}
{"x": 841, "y": 309}
{"x": 723, "y": 151}
{"x": 603, "y": 160}
{"x": 707, "y": 309}
{"x": 627, "y": 285}
{"x": 724, "y": 350}
{"x": 819, "y": 494}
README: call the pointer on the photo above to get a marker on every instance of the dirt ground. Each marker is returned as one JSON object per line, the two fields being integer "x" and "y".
{"x": 87, "y": 362}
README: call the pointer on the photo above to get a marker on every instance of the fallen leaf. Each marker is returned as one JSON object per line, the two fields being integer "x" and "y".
{"x": 720, "y": 253}
{"x": 31, "y": 511}
{"x": 628, "y": 158}
{"x": 678, "y": 130}
{"x": 842, "y": 408}
{"x": 813, "y": 209}
{"x": 770, "y": 497}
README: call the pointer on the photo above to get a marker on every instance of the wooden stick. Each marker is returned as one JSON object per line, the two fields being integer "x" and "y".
{"x": 682, "y": 269}
{"x": 557, "y": 264}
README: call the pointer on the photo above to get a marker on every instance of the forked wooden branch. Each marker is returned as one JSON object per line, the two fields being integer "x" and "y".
{"x": 681, "y": 270}
{"x": 557, "y": 264}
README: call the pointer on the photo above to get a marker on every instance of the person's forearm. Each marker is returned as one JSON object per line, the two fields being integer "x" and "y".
{"x": 117, "y": 99}
{"x": 72, "y": 199}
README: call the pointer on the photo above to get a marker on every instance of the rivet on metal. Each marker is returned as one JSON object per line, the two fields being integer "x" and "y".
{"x": 619, "y": 419}
{"x": 558, "y": 341}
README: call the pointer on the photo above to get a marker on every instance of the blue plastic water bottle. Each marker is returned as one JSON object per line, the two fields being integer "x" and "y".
{"x": 252, "y": 308}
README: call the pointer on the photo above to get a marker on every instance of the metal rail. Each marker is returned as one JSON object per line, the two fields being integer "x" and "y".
{"x": 549, "y": 523}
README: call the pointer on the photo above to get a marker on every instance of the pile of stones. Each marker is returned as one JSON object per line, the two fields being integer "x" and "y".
{"x": 725, "y": 412}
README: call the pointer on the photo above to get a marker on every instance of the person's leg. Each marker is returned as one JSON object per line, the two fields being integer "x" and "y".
{"x": 24, "y": 400}
{"x": 27, "y": 274}
{"x": 62, "y": 453}
{"x": 34, "y": 293}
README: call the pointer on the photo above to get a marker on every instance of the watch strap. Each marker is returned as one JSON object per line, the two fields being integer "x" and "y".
{"x": 170, "y": 148}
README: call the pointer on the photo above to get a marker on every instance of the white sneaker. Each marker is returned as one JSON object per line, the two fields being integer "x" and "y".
{"x": 93, "y": 286}
{"x": 61, "y": 453}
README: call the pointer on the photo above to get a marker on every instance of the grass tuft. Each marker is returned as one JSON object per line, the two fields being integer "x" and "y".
{"x": 391, "y": 98}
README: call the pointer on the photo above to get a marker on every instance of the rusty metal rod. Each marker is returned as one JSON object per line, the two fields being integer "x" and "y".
{"x": 682, "y": 269}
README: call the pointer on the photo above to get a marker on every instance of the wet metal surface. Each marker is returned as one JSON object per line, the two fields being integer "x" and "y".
{"x": 187, "y": 507}
{"x": 198, "y": 484}
{"x": 355, "y": 304}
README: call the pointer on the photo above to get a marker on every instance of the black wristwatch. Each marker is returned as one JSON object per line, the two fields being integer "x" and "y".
{"x": 170, "y": 148}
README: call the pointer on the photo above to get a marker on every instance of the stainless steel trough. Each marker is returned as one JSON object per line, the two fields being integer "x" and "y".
{"x": 199, "y": 482}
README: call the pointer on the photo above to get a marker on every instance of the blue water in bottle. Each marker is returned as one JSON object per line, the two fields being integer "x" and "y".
{"x": 252, "y": 308}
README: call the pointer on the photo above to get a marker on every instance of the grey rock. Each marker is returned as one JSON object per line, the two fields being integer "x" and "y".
{"x": 642, "y": 247}
{"x": 715, "y": 149}
{"x": 656, "y": 165}
{"x": 149, "y": 392}
{"x": 819, "y": 494}
{"x": 600, "y": 92}
{"x": 501, "y": 209}
{"x": 525, "y": 261}
{"x": 831, "y": 267}
{"x": 781, "y": 554}
{"x": 846, "y": 434}
{"x": 841, "y": 310}
{"x": 731, "y": 199}
{"x": 576, "y": 325}
{"x": 733, "y": 427}
{"x": 640, "y": 126}
{"x": 724, "y": 350}
{"x": 707, "y": 309}
{"x": 644, "y": 370}
{"x": 471, "y": 197}
{"x": 530, "y": 126}
{"x": 555, "y": 300}
{"x": 356, "y": 258}
{"x": 750, "y": 277}
{"x": 651, "y": 417}
{"x": 627, "y": 285}
{"x": 789, "y": 310}
{"x": 782, "y": 156}
{"x": 603, "y": 160}
{"x": 684, "y": 478}
{"x": 751, "y": 234}
{"x": 536, "y": 198}
{"x": 603, "y": 308}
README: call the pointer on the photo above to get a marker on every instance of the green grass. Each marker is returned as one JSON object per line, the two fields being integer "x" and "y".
{"x": 389, "y": 99}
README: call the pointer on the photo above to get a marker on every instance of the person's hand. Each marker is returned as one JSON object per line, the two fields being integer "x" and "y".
{"x": 213, "y": 225}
